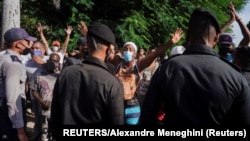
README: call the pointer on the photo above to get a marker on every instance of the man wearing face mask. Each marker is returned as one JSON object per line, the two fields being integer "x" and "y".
{"x": 12, "y": 85}
{"x": 42, "y": 91}
{"x": 96, "y": 96}
{"x": 56, "y": 46}
{"x": 129, "y": 71}
{"x": 34, "y": 67}
{"x": 226, "y": 46}
{"x": 56, "y": 49}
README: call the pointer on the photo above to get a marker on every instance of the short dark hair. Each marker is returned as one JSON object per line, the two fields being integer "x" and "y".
{"x": 203, "y": 19}
{"x": 204, "y": 27}
{"x": 206, "y": 16}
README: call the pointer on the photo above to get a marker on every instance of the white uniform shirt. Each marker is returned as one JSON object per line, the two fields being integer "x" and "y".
{"x": 12, "y": 86}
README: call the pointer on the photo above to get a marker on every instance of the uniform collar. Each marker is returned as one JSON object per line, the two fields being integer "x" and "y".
{"x": 95, "y": 61}
{"x": 200, "y": 49}
{"x": 11, "y": 52}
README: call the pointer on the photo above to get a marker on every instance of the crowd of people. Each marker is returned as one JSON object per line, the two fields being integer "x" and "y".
{"x": 97, "y": 84}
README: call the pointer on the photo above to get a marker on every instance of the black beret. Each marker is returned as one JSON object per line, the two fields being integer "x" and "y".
{"x": 206, "y": 14}
{"x": 102, "y": 32}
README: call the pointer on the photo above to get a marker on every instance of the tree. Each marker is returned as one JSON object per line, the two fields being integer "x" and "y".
{"x": 146, "y": 22}
{"x": 10, "y": 15}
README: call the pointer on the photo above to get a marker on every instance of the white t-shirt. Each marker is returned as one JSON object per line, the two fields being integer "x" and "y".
{"x": 45, "y": 85}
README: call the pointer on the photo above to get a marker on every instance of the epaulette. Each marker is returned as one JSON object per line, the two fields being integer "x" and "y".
{"x": 15, "y": 58}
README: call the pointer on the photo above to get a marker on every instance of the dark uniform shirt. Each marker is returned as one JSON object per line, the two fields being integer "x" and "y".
{"x": 198, "y": 88}
{"x": 246, "y": 72}
{"x": 87, "y": 94}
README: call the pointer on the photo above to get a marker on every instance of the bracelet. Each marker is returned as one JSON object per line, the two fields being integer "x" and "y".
{"x": 238, "y": 19}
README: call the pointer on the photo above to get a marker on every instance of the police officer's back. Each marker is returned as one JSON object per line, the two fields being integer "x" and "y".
{"x": 96, "y": 96}
{"x": 198, "y": 88}
{"x": 12, "y": 85}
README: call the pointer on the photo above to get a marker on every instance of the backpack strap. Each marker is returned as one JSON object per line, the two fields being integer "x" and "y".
{"x": 135, "y": 69}
{"x": 137, "y": 73}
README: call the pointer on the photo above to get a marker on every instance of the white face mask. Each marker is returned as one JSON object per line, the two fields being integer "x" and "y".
{"x": 55, "y": 48}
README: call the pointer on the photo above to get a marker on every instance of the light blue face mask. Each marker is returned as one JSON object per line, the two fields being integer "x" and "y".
{"x": 230, "y": 57}
{"x": 36, "y": 52}
{"x": 127, "y": 56}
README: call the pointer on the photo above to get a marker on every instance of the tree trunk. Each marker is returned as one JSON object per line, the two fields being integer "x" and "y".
{"x": 10, "y": 16}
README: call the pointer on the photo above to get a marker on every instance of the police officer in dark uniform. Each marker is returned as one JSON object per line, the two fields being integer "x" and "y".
{"x": 198, "y": 88}
{"x": 12, "y": 85}
{"x": 89, "y": 94}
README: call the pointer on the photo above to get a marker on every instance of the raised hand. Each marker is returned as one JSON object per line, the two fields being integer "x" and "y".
{"x": 69, "y": 30}
{"x": 233, "y": 11}
{"x": 176, "y": 36}
{"x": 39, "y": 27}
{"x": 83, "y": 28}
{"x": 38, "y": 59}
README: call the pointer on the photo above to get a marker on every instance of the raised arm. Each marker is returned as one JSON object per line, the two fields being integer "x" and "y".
{"x": 83, "y": 28}
{"x": 228, "y": 23}
{"x": 66, "y": 42}
{"x": 146, "y": 61}
{"x": 244, "y": 30}
{"x": 40, "y": 30}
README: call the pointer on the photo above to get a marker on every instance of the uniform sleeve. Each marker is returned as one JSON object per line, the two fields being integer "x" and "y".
{"x": 13, "y": 94}
{"x": 55, "y": 123}
{"x": 242, "y": 105}
{"x": 116, "y": 106}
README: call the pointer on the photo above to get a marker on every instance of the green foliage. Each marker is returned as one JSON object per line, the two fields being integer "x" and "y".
{"x": 145, "y": 22}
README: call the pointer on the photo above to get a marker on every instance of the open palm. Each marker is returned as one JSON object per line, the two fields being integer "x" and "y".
{"x": 176, "y": 36}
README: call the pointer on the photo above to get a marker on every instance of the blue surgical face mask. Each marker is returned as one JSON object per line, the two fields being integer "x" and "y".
{"x": 230, "y": 57}
{"x": 36, "y": 52}
{"x": 127, "y": 56}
